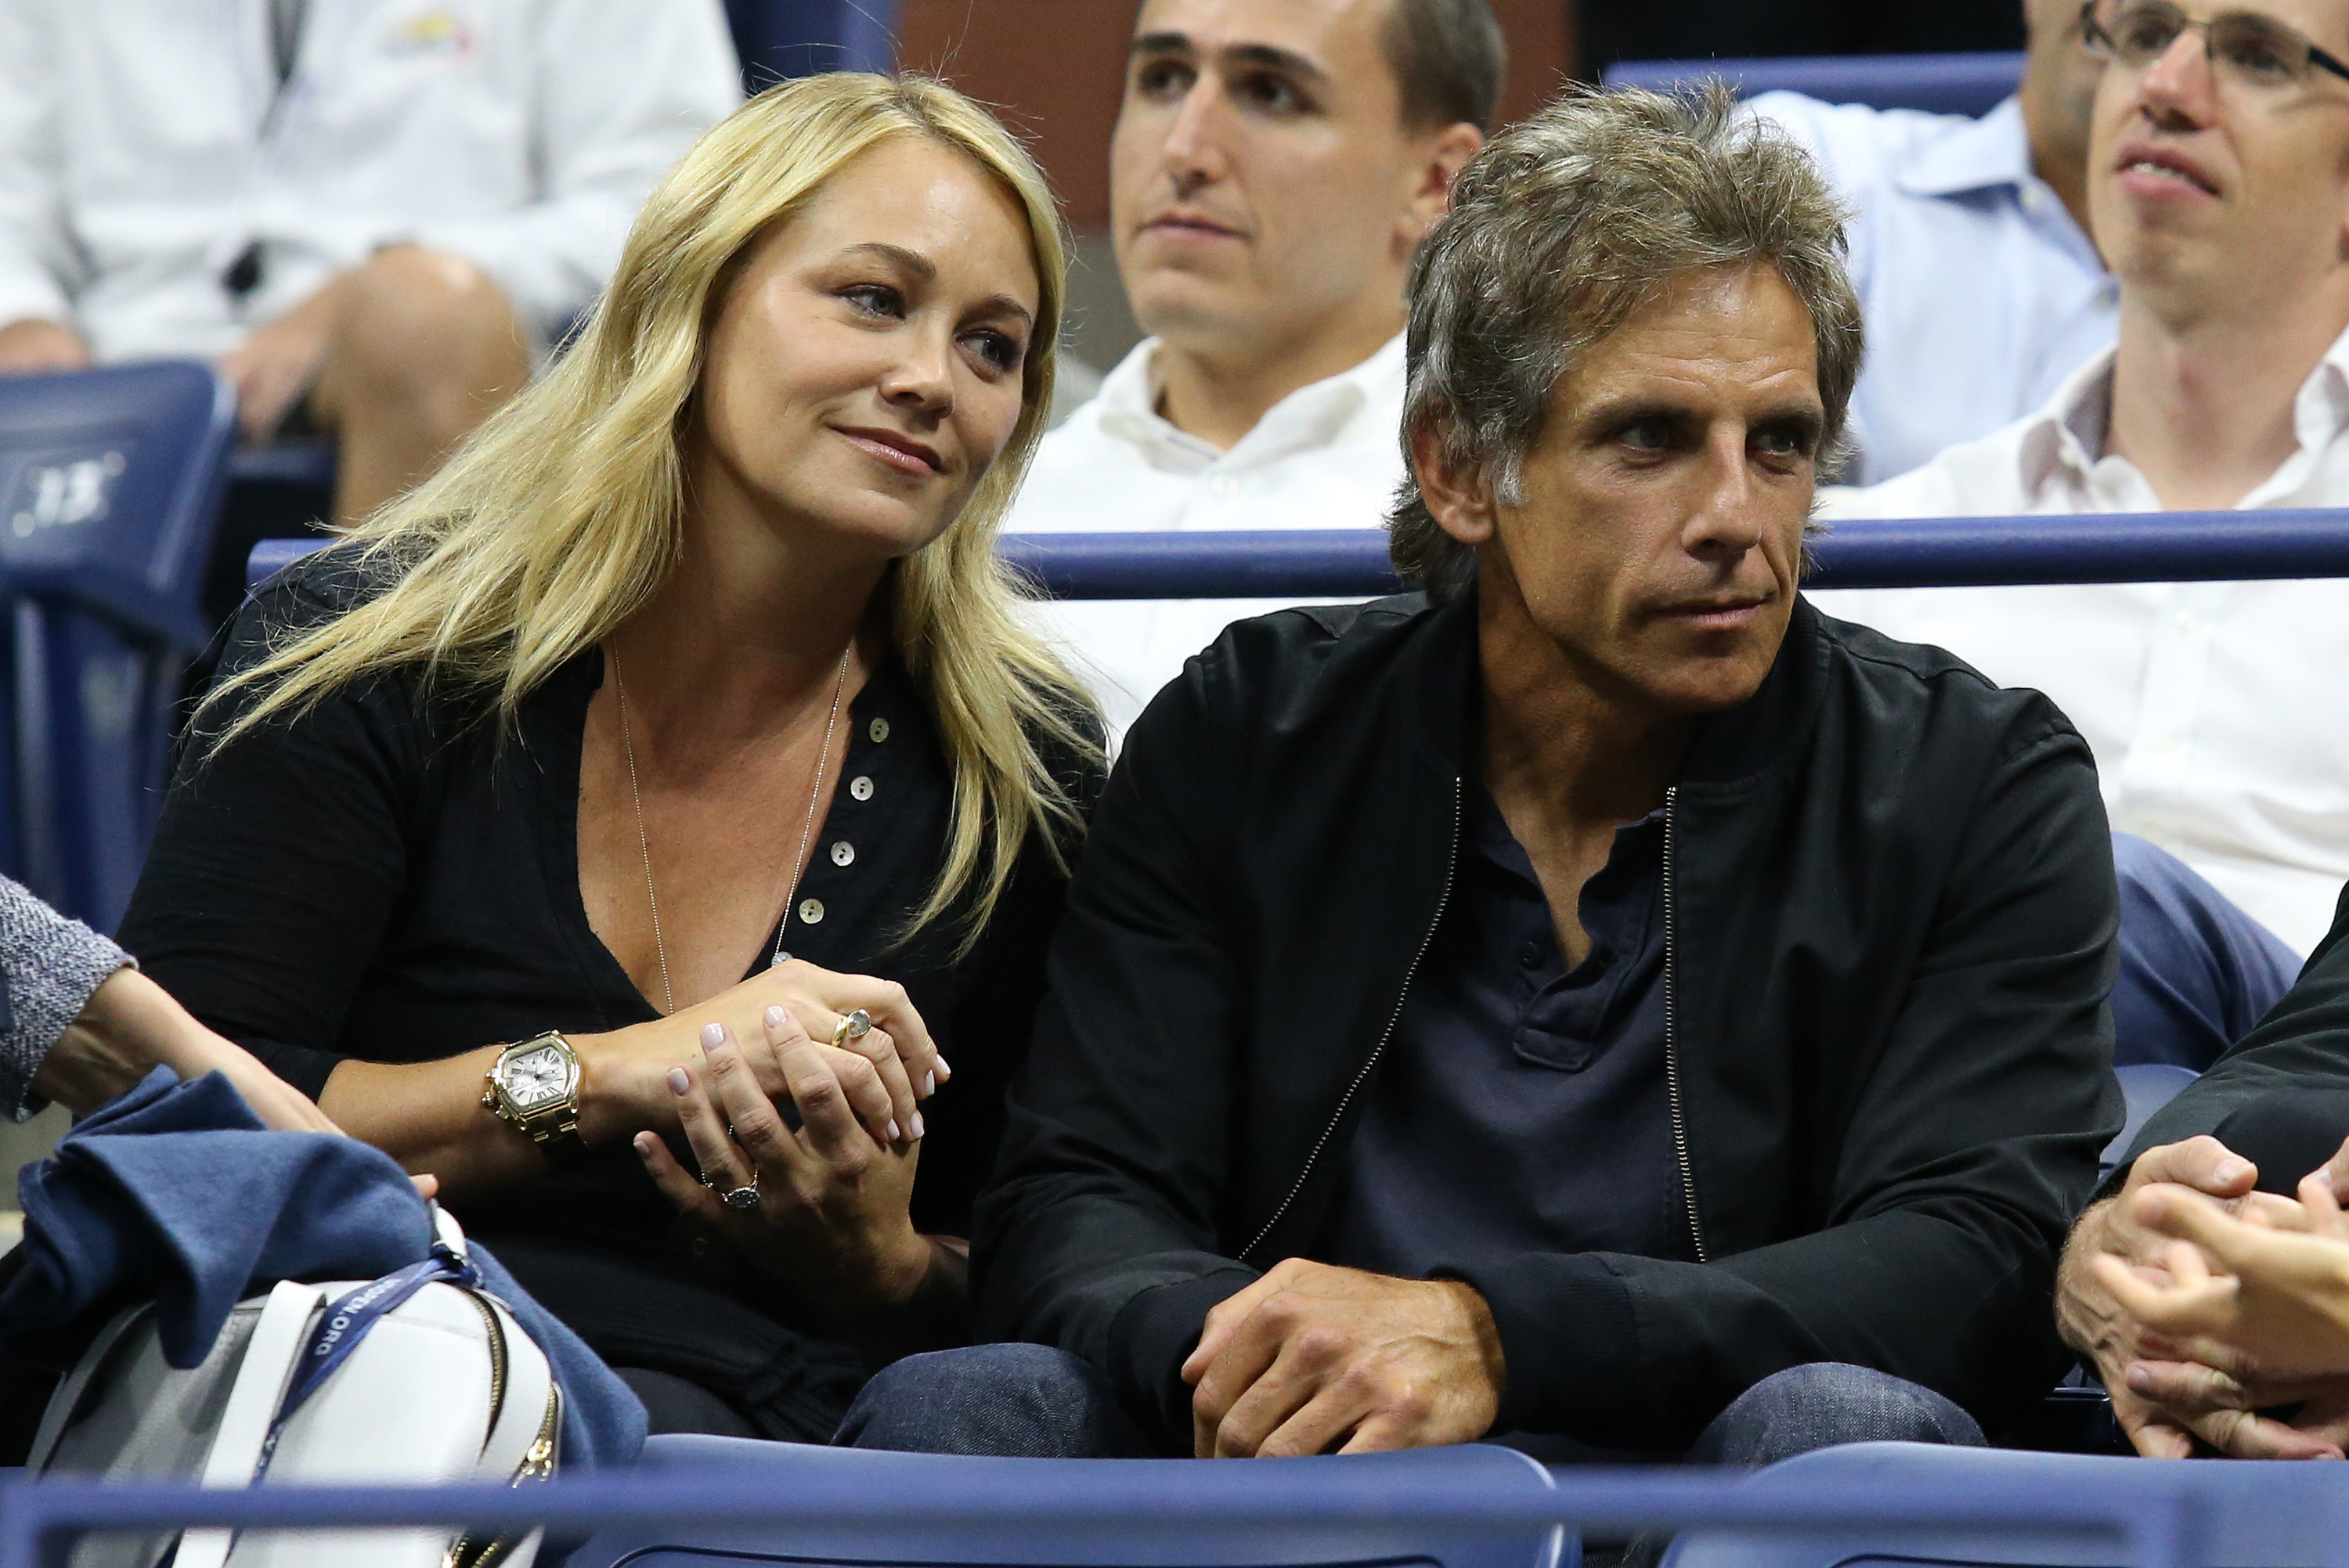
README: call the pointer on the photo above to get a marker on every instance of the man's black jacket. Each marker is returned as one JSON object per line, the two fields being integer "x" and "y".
{"x": 2300, "y": 1049}
{"x": 1890, "y": 908}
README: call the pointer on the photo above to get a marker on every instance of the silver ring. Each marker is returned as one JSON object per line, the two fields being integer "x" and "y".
{"x": 741, "y": 1197}
{"x": 854, "y": 1026}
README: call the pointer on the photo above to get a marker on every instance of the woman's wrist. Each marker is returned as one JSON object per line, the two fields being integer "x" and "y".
{"x": 904, "y": 1274}
{"x": 612, "y": 1101}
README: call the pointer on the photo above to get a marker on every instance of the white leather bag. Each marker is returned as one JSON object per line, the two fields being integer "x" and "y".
{"x": 443, "y": 1386}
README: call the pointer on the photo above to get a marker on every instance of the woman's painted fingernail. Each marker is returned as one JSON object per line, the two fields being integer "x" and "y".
{"x": 917, "y": 1126}
{"x": 679, "y": 1082}
{"x": 930, "y": 1084}
{"x": 643, "y": 1143}
{"x": 893, "y": 1130}
{"x": 712, "y": 1037}
{"x": 777, "y": 1017}
{"x": 944, "y": 1071}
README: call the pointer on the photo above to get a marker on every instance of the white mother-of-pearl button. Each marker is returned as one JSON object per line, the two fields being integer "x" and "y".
{"x": 878, "y": 729}
{"x": 860, "y": 787}
{"x": 843, "y": 853}
{"x": 810, "y": 911}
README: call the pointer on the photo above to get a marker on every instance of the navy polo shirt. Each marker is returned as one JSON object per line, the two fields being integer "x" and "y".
{"x": 1521, "y": 1106}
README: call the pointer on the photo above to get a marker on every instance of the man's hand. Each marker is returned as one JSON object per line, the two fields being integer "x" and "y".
{"x": 2246, "y": 1294}
{"x": 279, "y": 360}
{"x": 1312, "y": 1358}
{"x": 35, "y": 347}
{"x": 2164, "y": 1400}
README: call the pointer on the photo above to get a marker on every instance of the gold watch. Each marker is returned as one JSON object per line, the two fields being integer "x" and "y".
{"x": 533, "y": 1087}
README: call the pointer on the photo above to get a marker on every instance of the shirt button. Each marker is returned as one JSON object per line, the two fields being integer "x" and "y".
{"x": 810, "y": 911}
{"x": 860, "y": 787}
{"x": 843, "y": 853}
{"x": 700, "y": 1245}
{"x": 2185, "y": 620}
{"x": 1529, "y": 954}
{"x": 879, "y": 730}
{"x": 1223, "y": 487}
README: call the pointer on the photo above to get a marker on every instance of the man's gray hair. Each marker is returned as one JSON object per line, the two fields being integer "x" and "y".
{"x": 1565, "y": 226}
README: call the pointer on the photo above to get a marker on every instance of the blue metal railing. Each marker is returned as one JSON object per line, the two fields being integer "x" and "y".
{"x": 2150, "y": 1514}
{"x": 1922, "y": 552}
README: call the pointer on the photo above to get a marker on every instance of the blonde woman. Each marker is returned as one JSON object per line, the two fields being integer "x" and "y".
{"x": 652, "y": 824}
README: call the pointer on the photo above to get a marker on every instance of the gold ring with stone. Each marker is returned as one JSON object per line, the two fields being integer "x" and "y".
{"x": 854, "y": 1026}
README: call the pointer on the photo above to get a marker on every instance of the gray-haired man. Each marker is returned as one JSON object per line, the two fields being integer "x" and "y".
{"x": 1601, "y": 1004}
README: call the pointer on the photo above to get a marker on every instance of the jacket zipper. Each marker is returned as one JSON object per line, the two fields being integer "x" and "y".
{"x": 1672, "y": 1050}
{"x": 1449, "y": 866}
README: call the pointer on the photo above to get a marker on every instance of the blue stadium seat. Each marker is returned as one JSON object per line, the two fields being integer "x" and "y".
{"x": 1336, "y": 1514}
{"x": 2248, "y": 1514}
{"x": 110, "y": 490}
{"x": 2146, "y": 1087}
{"x": 779, "y": 39}
{"x": 1942, "y": 84}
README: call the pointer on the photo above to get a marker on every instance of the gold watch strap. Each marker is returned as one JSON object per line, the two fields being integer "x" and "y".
{"x": 555, "y": 1128}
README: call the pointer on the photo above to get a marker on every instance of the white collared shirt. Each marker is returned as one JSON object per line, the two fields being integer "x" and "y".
{"x": 1326, "y": 456}
{"x": 2218, "y": 711}
{"x": 1979, "y": 294}
{"x": 145, "y": 144}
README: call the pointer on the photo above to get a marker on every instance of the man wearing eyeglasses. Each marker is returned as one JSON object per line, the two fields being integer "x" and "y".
{"x": 2219, "y": 191}
{"x": 1993, "y": 211}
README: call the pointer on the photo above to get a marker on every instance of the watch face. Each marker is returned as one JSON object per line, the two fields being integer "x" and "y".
{"x": 538, "y": 1078}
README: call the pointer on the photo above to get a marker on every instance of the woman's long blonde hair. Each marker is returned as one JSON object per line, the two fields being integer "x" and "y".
{"x": 559, "y": 518}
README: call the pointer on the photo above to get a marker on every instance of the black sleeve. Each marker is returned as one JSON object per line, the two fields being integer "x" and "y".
{"x": 1099, "y": 1235}
{"x": 280, "y": 858}
{"x": 2301, "y": 1045}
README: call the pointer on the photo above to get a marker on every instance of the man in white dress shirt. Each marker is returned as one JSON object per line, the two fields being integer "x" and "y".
{"x": 1969, "y": 251}
{"x": 370, "y": 213}
{"x": 2218, "y": 185}
{"x": 1274, "y": 166}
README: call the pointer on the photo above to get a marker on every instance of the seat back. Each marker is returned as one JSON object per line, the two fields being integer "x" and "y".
{"x": 779, "y": 39}
{"x": 2146, "y": 1087}
{"x": 110, "y": 490}
{"x": 1334, "y": 1506}
{"x": 1939, "y": 84}
{"x": 2249, "y": 1513}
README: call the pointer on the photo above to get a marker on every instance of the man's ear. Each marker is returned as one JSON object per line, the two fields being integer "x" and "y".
{"x": 1441, "y": 157}
{"x": 1461, "y": 503}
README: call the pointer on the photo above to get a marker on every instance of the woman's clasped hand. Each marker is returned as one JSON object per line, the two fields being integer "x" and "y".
{"x": 2257, "y": 1296}
{"x": 882, "y": 1075}
{"x": 821, "y": 1210}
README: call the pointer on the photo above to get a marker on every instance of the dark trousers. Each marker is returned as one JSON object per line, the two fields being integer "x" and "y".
{"x": 1030, "y": 1401}
{"x": 2196, "y": 972}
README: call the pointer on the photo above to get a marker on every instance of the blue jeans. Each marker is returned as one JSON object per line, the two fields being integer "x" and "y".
{"x": 1030, "y": 1401}
{"x": 2196, "y": 972}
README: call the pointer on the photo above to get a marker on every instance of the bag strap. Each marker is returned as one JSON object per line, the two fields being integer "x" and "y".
{"x": 65, "y": 1403}
{"x": 245, "y": 1420}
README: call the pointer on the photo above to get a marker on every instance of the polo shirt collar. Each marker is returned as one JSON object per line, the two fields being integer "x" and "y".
{"x": 2068, "y": 434}
{"x": 1992, "y": 151}
{"x": 1309, "y": 418}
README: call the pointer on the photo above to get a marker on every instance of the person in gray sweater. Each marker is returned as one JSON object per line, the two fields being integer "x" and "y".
{"x": 79, "y": 1024}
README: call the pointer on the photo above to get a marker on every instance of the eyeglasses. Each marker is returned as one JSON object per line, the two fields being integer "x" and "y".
{"x": 2247, "y": 49}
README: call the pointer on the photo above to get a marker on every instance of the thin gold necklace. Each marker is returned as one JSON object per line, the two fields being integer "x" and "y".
{"x": 645, "y": 843}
